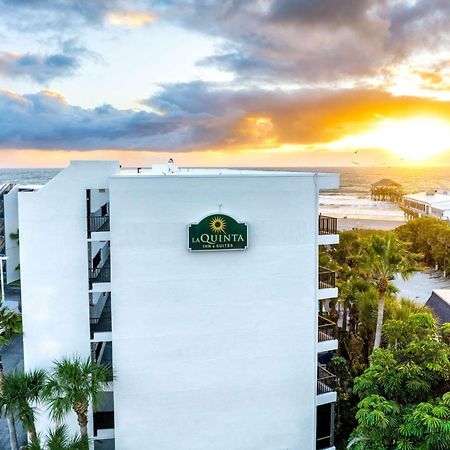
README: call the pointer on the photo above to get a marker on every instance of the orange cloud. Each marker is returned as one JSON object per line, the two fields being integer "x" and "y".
{"x": 130, "y": 19}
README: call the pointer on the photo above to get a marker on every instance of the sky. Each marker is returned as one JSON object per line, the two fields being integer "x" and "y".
{"x": 225, "y": 83}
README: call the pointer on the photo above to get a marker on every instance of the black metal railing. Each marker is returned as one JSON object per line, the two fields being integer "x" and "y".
{"x": 103, "y": 420}
{"x": 327, "y": 329}
{"x": 327, "y": 278}
{"x": 326, "y": 381}
{"x": 101, "y": 324}
{"x": 100, "y": 275}
{"x": 98, "y": 223}
{"x": 327, "y": 225}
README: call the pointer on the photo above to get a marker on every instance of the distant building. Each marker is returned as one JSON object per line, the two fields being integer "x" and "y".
{"x": 431, "y": 204}
{"x": 439, "y": 303}
{"x": 9, "y": 228}
{"x": 213, "y": 333}
{"x": 386, "y": 190}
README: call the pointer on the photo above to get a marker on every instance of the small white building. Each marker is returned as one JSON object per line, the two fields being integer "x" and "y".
{"x": 432, "y": 204}
{"x": 200, "y": 286}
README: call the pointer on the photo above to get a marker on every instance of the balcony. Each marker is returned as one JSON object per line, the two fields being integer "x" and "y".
{"x": 326, "y": 336}
{"x": 327, "y": 329}
{"x": 102, "y": 323}
{"x": 327, "y": 278}
{"x": 325, "y": 427}
{"x": 326, "y": 381}
{"x": 98, "y": 224}
{"x": 104, "y": 424}
{"x": 327, "y": 225}
{"x": 328, "y": 230}
{"x": 100, "y": 274}
{"x": 101, "y": 353}
{"x": 104, "y": 444}
{"x": 326, "y": 386}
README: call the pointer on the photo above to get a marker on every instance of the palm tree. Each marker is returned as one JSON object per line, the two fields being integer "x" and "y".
{"x": 59, "y": 439}
{"x": 10, "y": 326}
{"x": 382, "y": 259}
{"x": 23, "y": 390}
{"x": 8, "y": 407}
{"x": 73, "y": 385}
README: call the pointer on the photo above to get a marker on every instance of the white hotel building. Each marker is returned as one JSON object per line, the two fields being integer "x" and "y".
{"x": 211, "y": 350}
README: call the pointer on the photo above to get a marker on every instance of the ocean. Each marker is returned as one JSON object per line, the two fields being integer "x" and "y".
{"x": 352, "y": 200}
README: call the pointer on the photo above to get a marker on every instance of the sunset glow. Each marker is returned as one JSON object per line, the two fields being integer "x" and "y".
{"x": 271, "y": 82}
{"x": 415, "y": 139}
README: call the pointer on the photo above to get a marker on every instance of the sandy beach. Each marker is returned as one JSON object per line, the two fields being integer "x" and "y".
{"x": 420, "y": 285}
{"x": 368, "y": 224}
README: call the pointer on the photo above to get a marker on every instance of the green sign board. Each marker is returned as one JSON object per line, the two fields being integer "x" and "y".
{"x": 217, "y": 232}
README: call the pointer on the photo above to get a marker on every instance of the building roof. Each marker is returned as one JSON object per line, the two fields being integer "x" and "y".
{"x": 439, "y": 303}
{"x": 440, "y": 198}
{"x": 386, "y": 182}
{"x": 325, "y": 180}
{"x": 165, "y": 169}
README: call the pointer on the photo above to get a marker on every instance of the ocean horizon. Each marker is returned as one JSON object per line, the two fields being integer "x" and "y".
{"x": 351, "y": 200}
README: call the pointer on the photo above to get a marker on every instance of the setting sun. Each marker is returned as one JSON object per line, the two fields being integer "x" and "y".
{"x": 416, "y": 138}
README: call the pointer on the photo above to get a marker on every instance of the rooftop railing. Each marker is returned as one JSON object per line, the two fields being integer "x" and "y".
{"x": 327, "y": 225}
{"x": 327, "y": 329}
{"x": 327, "y": 278}
{"x": 326, "y": 381}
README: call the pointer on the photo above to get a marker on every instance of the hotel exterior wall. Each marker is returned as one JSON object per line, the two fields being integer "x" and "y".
{"x": 214, "y": 349}
{"x": 54, "y": 267}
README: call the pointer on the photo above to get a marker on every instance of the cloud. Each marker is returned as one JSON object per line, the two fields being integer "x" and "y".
{"x": 203, "y": 116}
{"x": 311, "y": 41}
{"x": 40, "y": 68}
{"x": 130, "y": 19}
{"x": 41, "y": 14}
{"x": 46, "y": 16}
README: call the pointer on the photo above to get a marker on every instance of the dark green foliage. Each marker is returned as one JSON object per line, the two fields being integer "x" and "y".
{"x": 59, "y": 439}
{"x": 429, "y": 237}
{"x": 405, "y": 398}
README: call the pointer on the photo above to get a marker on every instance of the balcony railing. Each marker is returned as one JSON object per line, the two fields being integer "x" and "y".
{"x": 327, "y": 329}
{"x": 98, "y": 223}
{"x": 327, "y": 225}
{"x": 101, "y": 324}
{"x": 100, "y": 275}
{"x": 327, "y": 278}
{"x": 326, "y": 381}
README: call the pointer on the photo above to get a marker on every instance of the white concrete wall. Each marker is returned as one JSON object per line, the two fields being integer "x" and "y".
{"x": 10, "y": 201}
{"x": 214, "y": 350}
{"x": 54, "y": 266}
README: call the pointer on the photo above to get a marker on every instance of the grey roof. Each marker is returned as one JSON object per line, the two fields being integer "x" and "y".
{"x": 439, "y": 305}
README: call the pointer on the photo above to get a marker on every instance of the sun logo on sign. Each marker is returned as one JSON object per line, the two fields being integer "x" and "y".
{"x": 217, "y": 224}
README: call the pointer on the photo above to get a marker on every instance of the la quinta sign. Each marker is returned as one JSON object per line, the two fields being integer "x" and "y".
{"x": 217, "y": 232}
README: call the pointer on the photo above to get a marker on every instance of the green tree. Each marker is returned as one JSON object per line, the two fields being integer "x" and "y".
{"x": 381, "y": 260}
{"x": 10, "y": 326}
{"x": 405, "y": 398}
{"x": 59, "y": 439}
{"x": 74, "y": 384}
{"x": 429, "y": 237}
{"x": 21, "y": 392}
